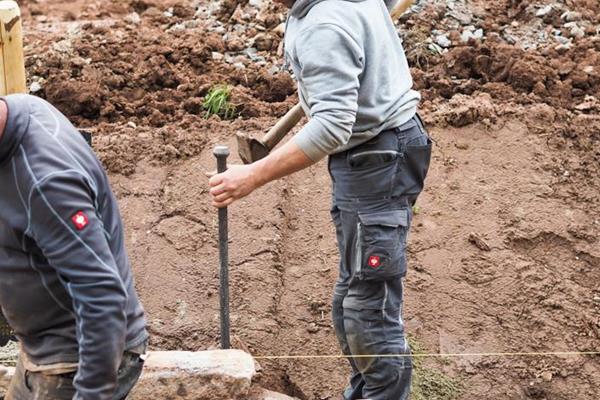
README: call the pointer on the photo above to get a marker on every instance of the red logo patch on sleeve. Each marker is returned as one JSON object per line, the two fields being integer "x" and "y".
{"x": 80, "y": 220}
{"x": 374, "y": 261}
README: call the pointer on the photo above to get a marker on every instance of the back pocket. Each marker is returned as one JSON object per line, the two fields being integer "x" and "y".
{"x": 380, "y": 252}
{"x": 413, "y": 169}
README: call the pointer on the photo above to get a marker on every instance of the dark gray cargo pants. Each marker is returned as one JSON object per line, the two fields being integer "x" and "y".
{"x": 375, "y": 186}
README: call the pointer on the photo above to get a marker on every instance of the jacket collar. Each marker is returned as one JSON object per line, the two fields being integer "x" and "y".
{"x": 16, "y": 126}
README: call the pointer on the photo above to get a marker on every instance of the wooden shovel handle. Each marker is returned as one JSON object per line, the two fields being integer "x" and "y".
{"x": 400, "y": 8}
{"x": 283, "y": 127}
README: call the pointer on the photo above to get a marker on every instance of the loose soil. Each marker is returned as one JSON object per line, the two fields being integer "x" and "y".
{"x": 505, "y": 255}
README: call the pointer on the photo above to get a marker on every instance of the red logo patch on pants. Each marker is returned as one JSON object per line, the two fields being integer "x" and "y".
{"x": 374, "y": 261}
{"x": 80, "y": 220}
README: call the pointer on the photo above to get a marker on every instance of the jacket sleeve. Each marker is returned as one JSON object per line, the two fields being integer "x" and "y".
{"x": 330, "y": 62}
{"x": 65, "y": 225}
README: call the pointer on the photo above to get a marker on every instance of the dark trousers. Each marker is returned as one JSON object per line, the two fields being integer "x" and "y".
{"x": 375, "y": 186}
{"x": 27, "y": 385}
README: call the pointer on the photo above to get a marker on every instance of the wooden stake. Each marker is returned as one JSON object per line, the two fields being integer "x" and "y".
{"x": 12, "y": 63}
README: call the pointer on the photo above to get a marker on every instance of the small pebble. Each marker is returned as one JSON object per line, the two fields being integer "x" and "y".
{"x": 547, "y": 376}
{"x": 35, "y": 87}
{"x": 571, "y": 16}
{"x": 542, "y": 12}
{"x": 443, "y": 41}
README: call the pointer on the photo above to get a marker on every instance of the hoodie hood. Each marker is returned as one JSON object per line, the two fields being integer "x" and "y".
{"x": 302, "y": 7}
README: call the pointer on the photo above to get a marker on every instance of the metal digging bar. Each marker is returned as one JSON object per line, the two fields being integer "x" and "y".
{"x": 221, "y": 153}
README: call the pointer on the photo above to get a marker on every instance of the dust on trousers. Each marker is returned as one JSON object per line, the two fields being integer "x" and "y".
{"x": 375, "y": 186}
{"x": 27, "y": 385}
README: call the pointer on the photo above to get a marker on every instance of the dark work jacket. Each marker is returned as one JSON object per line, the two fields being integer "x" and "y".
{"x": 66, "y": 286}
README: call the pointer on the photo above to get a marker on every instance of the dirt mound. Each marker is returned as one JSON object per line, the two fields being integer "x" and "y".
{"x": 153, "y": 69}
{"x": 151, "y": 80}
{"x": 560, "y": 75}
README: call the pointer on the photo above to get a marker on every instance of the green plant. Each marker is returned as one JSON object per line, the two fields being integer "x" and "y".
{"x": 429, "y": 383}
{"x": 218, "y": 102}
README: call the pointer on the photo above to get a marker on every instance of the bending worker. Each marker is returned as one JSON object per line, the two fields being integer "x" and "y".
{"x": 355, "y": 84}
{"x": 66, "y": 286}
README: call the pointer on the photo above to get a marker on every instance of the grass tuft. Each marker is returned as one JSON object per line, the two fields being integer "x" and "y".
{"x": 218, "y": 102}
{"x": 428, "y": 383}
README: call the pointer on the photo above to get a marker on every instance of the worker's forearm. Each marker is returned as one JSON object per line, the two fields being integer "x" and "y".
{"x": 282, "y": 162}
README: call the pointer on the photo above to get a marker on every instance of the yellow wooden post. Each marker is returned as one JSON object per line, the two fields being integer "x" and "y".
{"x": 12, "y": 64}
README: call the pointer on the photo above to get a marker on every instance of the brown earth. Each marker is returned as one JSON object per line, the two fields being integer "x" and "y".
{"x": 505, "y": 254}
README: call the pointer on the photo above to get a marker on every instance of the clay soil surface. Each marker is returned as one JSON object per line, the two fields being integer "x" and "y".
{"x": 504, "y": 251}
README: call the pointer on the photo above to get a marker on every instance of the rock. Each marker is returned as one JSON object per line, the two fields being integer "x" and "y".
{"x": 171, "y": 150}
{"x": 268, "y": 395}
{"x": 35, "y": 87}
{"x": 576, "y": 32}
{"x": 279, "y": 29}
{"x": 133, "y": 18}
{"x": 263, "y": 42}
{"x": 234, "y": 43}
{"x": 274, "y": 70}
{"x": 219, "y": 374}
{"x": 571, "y": 16}
{"x": 251, "y": 53}
{"x": 256, "y": 3}
{"x": 542, "y": 12}
{"x": 563, "y": 48}
{"x": 63, "y": 46}
{"x": 479, "y": 242}
{"x": 465, "y": 36}
{"x": 217, "y": 56}
{"x": 462, "y": 16}
{"x": 563, "y": 40}
{"x": 463, "y": 110}
{"x": 547, "y": 376}
{"x": 471, "y": 33}
{"x": 443, "y": 41}
{"x": 177, "y": 28}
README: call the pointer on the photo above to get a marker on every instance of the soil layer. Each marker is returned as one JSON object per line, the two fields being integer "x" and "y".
{"x": 505, "y": 255}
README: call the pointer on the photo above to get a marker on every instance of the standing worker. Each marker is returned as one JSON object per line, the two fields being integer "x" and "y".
{"x": 355, "y": 84}
{"x": 66, "y": 286}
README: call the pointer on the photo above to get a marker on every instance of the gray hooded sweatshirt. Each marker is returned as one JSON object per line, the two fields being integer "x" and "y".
{"x": 353, "y": 78}
{"x": 66, "y": 286}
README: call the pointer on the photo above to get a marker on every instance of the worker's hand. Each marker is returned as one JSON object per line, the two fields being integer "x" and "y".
{"x": 237, "y": 182}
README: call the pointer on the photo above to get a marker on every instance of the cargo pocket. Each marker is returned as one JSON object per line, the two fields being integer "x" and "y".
{"x": 381, "y": 245}
{"x": 413, "y": 169}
